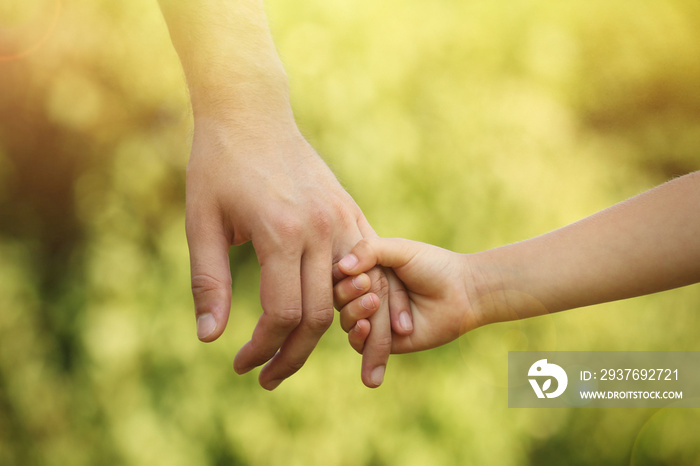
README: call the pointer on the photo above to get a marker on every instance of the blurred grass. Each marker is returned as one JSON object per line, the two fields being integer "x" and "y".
{"x": 467, "y": 124}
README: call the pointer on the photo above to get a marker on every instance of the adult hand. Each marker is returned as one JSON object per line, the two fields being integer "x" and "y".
{"x": 269, "y": 186}
{"x": 253, "y": 177}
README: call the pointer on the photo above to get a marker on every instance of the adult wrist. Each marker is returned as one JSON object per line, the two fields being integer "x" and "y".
{"x": 231, "y": 96}
{"x": 244, "y": 111}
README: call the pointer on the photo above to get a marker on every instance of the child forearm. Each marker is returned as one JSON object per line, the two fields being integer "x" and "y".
{"x": 646, "y": 244}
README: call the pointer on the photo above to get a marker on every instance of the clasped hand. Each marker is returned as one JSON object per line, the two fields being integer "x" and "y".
{"x": 276, "y": 192}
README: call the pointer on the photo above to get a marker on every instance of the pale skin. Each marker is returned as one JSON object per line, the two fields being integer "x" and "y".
{"x": 253, "y": 177}
{"x": 647, "y": 244}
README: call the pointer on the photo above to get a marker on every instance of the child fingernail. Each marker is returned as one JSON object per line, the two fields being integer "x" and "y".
{"x": 348, "y": 262}
{"x": 368, "y": 302}
{"x": 405, "y": 321}
{"x": 377, "y": 376}
{"x": 360, "y": 282}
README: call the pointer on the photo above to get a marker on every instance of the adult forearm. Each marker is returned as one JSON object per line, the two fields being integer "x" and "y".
{"x": 646, "y": 244}
{"x": 232, "y": 68}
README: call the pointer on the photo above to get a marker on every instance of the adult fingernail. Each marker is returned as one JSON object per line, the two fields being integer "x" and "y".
{"x": 405, "y": 321}
{"x": 377, "y": 376}
{"x": 240, "y": 370}
{"x": 206, "y": 324}
{"x": 348, "y": 262}
{"x": 272, "y": 384}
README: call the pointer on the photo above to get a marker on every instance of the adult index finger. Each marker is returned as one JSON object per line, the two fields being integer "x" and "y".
{"x": 280, "y": 296}
{"x": 317, "y": 316}
{"x": 378, "y": 344}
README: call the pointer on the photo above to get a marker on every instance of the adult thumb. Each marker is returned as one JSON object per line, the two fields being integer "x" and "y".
{"x": 211, "y": 279}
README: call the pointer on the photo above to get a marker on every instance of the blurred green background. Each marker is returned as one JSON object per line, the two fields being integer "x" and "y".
{"x": 463, "y": 123}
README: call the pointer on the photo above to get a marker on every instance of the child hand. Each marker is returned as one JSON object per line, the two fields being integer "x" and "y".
{"x": 436, "y": 283}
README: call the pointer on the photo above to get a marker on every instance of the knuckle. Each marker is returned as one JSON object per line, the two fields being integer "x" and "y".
{"x": 322, "y": 221}
{"x": 381, "y": 345}
{"x": 322, "y": 226}
{"x": 318, "y": 221}
{"x": 292, "y": 366}
{"x": 362, "y": 245}
{"x": 287, "y": 318}
{"x": 368, "y": 244}
{"x": 288, "y": 227}
{"x": 205, "y": 282}
{"x": 319, "y": 321}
